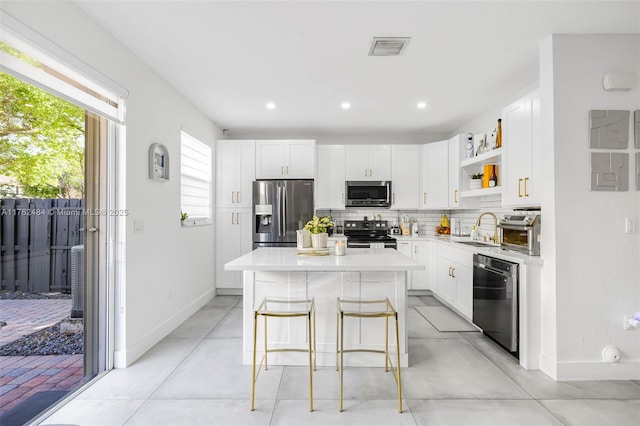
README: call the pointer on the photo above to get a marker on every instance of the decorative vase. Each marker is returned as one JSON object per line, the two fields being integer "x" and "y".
{"x": 475, "y": 183}
{"x": 319, "y": 240}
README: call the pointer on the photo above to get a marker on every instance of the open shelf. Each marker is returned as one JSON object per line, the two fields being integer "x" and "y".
{"x": 495, "y": 155}
{"x": 481, "y": 192}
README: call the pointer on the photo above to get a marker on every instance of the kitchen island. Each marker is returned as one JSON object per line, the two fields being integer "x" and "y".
{"x": 362, "y": 273}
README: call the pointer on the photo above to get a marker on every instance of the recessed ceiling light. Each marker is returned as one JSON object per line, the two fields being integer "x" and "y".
{"x": 421, "y": 105}
{"x": 271, "y": 105}
{"x": 345, "y": 105}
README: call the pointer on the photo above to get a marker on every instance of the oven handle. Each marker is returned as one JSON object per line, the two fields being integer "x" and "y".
{"x": 490, "y": 269}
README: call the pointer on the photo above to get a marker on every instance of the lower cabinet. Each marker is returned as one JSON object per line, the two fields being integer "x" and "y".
{"x": 233, "y": 239}
{"x": 455, "y": 279}
{"x": 418, "y": 250}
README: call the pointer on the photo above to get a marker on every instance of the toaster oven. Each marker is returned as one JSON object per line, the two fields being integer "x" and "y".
{"x": 521, "y": 233}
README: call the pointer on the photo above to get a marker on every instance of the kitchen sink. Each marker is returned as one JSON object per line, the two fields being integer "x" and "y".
{"x": 475, "y": 243}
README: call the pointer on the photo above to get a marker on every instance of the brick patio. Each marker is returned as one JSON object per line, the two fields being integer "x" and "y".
{"x": 23, "y": 376}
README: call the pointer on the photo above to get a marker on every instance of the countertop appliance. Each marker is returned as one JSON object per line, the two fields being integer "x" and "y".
{"x": 368, "y": 193}
{"x": 495, "y": 300}
{"x": 521, "y": 232}
{"x": 368, "y": 234}
{"x": 280, "y": 208}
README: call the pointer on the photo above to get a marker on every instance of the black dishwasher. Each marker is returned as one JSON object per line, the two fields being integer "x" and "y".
{"x": 495, "y": 300}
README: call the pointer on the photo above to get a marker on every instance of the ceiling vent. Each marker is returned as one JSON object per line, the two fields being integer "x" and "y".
{"x": 388, "y": 46}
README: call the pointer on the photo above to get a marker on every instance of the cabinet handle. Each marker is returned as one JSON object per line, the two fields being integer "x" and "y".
{"x": 393, "y": 198}
{"x": 424, "y": 197}
{"x": 286, "y": 170}
{"x": 238, "y": 197}
{"x": 281, "y": 170}
{"x": 232, "y": 218}
{"x": 449, "y": 270}
{"x": 415, "y": 250}
{"x": 455, "y": 196}
{"x": 526, "y": 194}
{"x": 519, "y": 192}
{"x": 370, "y": 172}
{"x": 453, "y": 272}
{"x": 233, "y": 195}
{"x": 365, "y": 172}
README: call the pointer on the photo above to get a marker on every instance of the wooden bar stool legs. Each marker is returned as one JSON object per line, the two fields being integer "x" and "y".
{"x": 368, "y": 309}
{"x": 284, "y": 308}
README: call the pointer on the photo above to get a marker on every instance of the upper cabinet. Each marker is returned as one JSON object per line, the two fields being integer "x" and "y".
{"x": 235, "y": 170}
{"x": 405, "y": 163}
{"x": 285, "y": 159}
{"x": 329, "y": 186}
{"x": 521, "y": 140}
{"x": 457, "y": 146}
{"x": 434, "y": 192}
{"x": 368, "y": 162}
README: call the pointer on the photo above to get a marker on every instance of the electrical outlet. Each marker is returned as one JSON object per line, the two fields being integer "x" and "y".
{"x": 629, "y": 225}
{"x": 138, "y": 226}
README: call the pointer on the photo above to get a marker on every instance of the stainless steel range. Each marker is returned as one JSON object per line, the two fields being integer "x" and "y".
{"x": 368, "y": 234}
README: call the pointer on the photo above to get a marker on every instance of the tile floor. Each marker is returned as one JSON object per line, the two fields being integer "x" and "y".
{"x": 195, "y": 377}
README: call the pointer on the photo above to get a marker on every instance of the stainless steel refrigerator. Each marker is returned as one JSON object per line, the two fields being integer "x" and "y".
{"x": 280, "y": 208}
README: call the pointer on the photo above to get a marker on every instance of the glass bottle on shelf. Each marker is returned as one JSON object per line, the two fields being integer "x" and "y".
{"x": 499, "y": 134}
{"x": 493, "y": 177}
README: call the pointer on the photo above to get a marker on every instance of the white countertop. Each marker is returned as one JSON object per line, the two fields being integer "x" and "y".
{"x": 489, "y": 250}
{"x": 356, "y": 260}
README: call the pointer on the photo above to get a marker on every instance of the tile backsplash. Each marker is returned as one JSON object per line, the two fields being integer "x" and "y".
{"x": 427, "y": 219}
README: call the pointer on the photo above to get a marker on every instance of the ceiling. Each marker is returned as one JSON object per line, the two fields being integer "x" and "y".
{"x": 230, "y": 58}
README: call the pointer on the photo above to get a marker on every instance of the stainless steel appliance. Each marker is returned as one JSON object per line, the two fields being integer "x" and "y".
{"x": 368, "y": 234}
{"x": 521, "y": 232}
{"x": 280, "y": 208}
{"x": 368, "y": 193}
{"x": 495, "y": 300}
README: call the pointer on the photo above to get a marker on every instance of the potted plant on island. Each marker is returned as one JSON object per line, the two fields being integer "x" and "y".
{"x": 318, "y": 228}
{"x": 475, "y": 181}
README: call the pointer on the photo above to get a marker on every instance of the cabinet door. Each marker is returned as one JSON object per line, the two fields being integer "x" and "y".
{"x": 226, "y": 176}
{"x": 464, "y": 289}
{"x": 233, "y": 239}
{"x": 454, "y": 172}
{"x": 405, "y": 166}
{"x": 227, "y": 248}
{"x": 420, "y": 253}
{"x": 245, "y": 172}
{"x": 435, "y": 175}
{"x": 300, "y": 159}
{"x": 357, "y": 162}
{"x": 270, "y": 160}
{"x": 379, "y": 162}
{"x": 522, "y": 141}
{"x": 446, "y": 284}
{"x": 329, "y": 184}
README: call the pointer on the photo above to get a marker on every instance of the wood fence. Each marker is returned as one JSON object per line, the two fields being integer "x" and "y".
{"x": 36, "y": 236}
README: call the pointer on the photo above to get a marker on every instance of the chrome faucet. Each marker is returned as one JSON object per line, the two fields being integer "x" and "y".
{"x": 495, "y": 226}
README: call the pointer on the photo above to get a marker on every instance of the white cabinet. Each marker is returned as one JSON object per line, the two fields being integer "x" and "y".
{"x": 330, "y": 178}
{"x": 405, "y": 166}
{"x": 233, "y": 239}
{"x": 435, "y": 176}
{"x": 521, "y": 140}
{"x": 457, "y": 146}
{"x": 368, "y": 162}
{"x": 455, "y": 279}
{"x": 235, "y": 172}
{"x": 418, "y": 250}
{"x": 285, "y": 159}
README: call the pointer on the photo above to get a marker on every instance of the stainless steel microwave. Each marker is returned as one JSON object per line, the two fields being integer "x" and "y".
{"x": 368, "y": 193}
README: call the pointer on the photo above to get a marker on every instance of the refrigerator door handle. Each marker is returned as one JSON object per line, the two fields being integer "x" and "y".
{"x": 283, "y": 211}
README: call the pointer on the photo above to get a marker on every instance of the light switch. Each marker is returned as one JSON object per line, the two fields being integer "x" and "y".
{"x": 138, "y": 226}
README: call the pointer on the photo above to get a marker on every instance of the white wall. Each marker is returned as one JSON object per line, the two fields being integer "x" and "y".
{"x": 340, "y": 138}
{"x": 169, "y": 269}
{"x": 592, "y": 276}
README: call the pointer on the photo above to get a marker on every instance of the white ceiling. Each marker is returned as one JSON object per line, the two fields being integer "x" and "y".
{"x": 231, "y": 57}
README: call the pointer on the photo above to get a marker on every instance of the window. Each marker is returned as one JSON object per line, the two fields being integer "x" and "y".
{"x": 195, "y": 181}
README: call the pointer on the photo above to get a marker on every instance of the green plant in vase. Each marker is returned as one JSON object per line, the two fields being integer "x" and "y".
{"x": 475, "y": 181}
{"x": 318, "y": 229}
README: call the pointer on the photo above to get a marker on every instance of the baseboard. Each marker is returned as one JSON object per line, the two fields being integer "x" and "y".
{"x": 548, "y": 366}
{"x": 124, "y": 358}
{"x": 629, "y": 370}
{"x": 229, "y": 291}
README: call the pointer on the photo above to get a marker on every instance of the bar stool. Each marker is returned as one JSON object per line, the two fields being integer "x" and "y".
{"x": 368, "y": 309}
{"x": 284, "y": 308}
